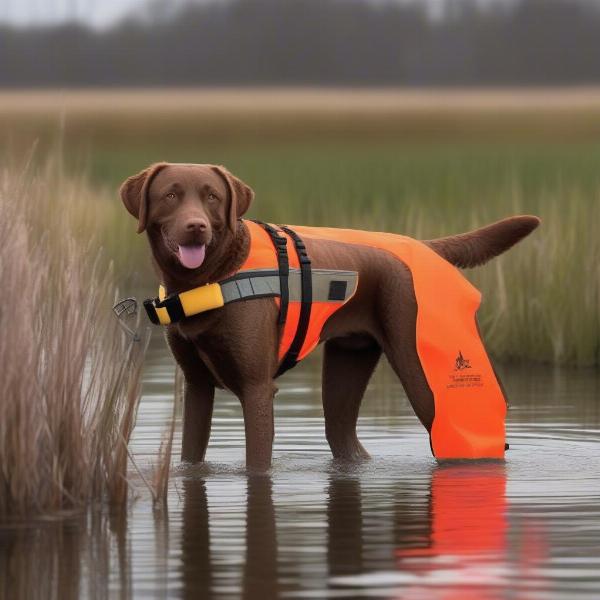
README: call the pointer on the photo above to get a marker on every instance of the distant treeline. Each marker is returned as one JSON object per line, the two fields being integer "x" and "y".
{"x": 323, "y": 42}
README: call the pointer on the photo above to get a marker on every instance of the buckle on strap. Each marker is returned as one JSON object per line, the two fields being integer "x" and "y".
{"x": 172, "y": 305}
{"x": 151, "y": 311}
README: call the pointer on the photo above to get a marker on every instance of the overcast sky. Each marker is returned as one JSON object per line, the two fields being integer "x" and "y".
{"x": 100, "y": 13}
{"x": 103, "y": 13}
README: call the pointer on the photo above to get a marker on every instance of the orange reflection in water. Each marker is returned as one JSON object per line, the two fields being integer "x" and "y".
{"x": 468, "y": 556}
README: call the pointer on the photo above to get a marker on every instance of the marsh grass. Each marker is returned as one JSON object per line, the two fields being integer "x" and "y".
{"x": 421, "y": 164}
{"x": 541, "y": 300}
{"x": 70, "y": 382}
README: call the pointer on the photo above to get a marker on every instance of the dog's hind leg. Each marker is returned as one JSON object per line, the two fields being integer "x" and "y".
{"x": 406, "y": 364}
{"x": 346, "y": 373}
{"x": 398, "y": 317}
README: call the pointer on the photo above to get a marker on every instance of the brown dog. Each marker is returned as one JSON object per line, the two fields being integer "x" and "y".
{"x": 192, "y": 216}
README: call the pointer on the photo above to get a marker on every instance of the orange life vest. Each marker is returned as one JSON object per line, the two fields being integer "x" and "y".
{"x": 470, "y": 407}
{"x": 469, "y": 404}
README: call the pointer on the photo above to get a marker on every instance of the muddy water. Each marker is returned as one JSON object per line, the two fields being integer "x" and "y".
{"x": 398, "y": 526}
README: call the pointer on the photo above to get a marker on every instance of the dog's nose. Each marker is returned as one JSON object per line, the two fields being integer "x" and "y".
{"x": 196, "y": 225}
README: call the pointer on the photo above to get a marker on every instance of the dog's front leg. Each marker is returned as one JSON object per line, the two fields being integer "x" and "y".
{"x": 197, "y": 418}
{"x": 198, "y": 398}
{"x": 257, "y": 404}
{"x": 246, "y": 347}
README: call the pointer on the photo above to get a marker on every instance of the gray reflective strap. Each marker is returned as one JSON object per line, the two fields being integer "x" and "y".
{"x": 328, "y": 286}
{"x": 241, "y": 289}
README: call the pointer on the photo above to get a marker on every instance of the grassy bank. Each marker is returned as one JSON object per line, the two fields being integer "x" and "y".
{"x": 70, "y": 380}
{"x": 421, "y": 164}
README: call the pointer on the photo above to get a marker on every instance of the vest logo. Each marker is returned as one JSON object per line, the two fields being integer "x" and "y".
{"x": 464, "y": 378}
{"x": 461, "y": 362}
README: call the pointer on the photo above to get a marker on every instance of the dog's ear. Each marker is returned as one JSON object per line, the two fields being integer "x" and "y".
{"x": 134, "y": 193}
{"x": 240, "y": 194}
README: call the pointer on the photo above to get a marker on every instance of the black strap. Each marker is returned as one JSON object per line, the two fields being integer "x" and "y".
{"x": 291, "y": 358}
{"x": 280, "y": 243}
{"x": 151, "y": 311}
{"x": 173, "y": 305}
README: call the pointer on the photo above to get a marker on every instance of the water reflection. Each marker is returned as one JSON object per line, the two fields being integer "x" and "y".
{"x": 468, "y": 535}
{"x": 455, "y": 537}
{"x": 260, "y": 571}
{"x": 468, "y": 512}
{"x": 452, "y": 542}
{"x": 62, "y": 558}
{"x": 398, "y": 526}
{"x": 195, "y": 541}
{"x": 462, "y": 547}
{"x": 345, "y": 547}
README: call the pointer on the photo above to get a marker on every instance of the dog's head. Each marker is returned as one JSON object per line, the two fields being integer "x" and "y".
{"x": 190, "y": 212}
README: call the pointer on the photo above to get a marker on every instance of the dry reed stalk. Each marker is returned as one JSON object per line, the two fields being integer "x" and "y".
{"x": 70, "y": 381}
{"x": 160, "y": 479}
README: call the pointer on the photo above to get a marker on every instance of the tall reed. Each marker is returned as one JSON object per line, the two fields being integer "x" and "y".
{"x": 162, "y": 469}
{"x": 70, "y": 381}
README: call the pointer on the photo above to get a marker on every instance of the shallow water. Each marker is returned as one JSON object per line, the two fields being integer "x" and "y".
{"x": 398, "y": 526}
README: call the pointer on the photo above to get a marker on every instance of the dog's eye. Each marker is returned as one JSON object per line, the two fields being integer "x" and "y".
{"x": 212, "y": 198}
{"x": 171, "y": 196}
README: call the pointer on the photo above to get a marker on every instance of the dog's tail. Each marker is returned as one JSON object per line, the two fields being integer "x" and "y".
{"x": 477, "y": 247}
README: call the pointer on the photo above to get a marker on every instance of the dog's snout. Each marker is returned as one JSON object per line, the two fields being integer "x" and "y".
{"x": 196, "y": 225}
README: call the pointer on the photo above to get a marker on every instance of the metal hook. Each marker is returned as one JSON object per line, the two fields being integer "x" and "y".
{"x": 124, "y": 309}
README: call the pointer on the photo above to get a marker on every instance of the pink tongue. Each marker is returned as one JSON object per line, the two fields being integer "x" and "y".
{"x": 191, "y": 257}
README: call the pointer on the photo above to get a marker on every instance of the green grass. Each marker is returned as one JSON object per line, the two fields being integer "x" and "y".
{"x": 421, "y": 174}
